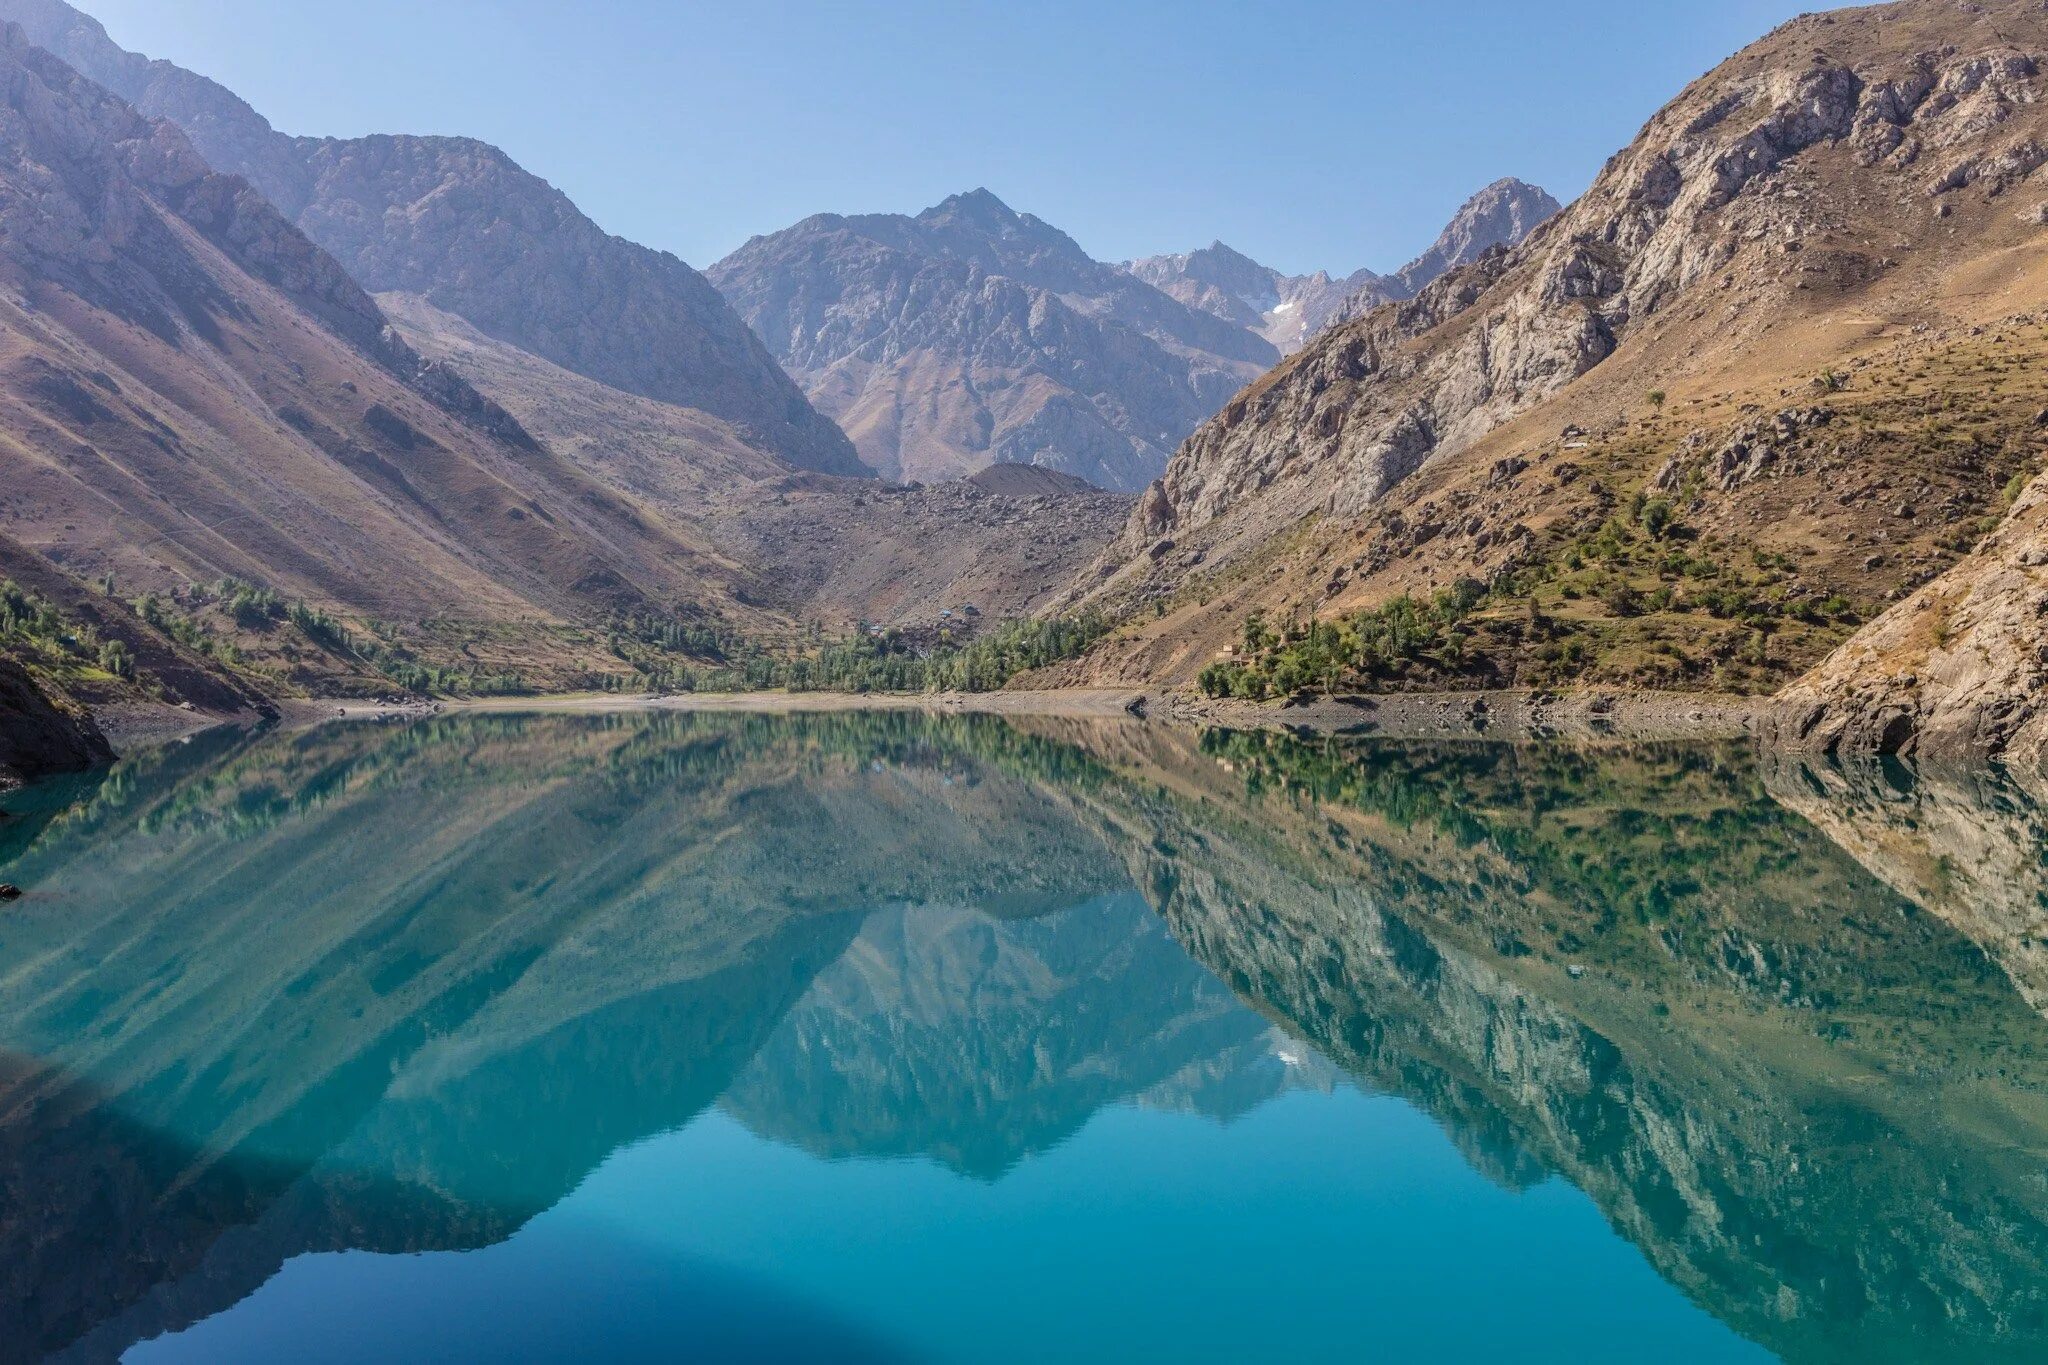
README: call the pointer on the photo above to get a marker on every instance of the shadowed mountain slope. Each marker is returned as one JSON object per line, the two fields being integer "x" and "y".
{"x": 824, "y": 548}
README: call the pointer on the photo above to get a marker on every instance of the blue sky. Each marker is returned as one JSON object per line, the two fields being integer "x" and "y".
{"x": 1314, "y": 134}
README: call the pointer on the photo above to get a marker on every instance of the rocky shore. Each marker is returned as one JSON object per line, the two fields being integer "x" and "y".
{"x": 39, "y": 736}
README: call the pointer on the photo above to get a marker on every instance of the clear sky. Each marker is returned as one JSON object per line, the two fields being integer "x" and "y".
{"x": 1314, "y": 134}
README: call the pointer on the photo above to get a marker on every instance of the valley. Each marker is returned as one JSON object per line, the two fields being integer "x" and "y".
{"x": 919, "y": 787}
{"x": 1754, "y": 416}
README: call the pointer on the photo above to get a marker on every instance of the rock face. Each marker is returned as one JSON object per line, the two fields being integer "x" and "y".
{"x": 1956, "y": 672}
{"x": 1368, "y": 404}
{"x": 972, "y": 335}
{"x": 1289, "y": 310}
{"x": 1365, "y": 406}
{"x": 37, "y": 737}
{"x": 458, "y": 222}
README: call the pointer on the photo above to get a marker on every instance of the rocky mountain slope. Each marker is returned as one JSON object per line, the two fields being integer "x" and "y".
{"x": 227, "y": 477}
{"x": 1958, "y": 670}
{"x": 972, "y": 335}
{"x": 205, "y": 413}
{"x": 458, "y": 222}
{"x": 832, "y": 550}
{"x": 1288, "y": 310}
{"x": 1773, "y": 372}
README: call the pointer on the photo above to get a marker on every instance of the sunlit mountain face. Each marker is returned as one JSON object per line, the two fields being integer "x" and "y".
{"x": 891, "y": 1036}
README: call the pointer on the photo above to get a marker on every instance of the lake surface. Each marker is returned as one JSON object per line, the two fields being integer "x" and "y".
{"x": 901, "y": 1038}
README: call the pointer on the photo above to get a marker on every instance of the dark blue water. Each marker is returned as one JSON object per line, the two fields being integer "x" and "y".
{"x": 897, "y": 1038}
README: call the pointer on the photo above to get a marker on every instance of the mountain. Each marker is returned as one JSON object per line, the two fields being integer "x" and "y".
{"x": 231, "y": 475}
{"x": 1502, "y": 214}
{"x": 203, "y": 410}
{"x": 1775, "y": 371}
{"x": 1290, "y": 309}
{"x": 1284, "y": 309}
{"x": 973, "y": 335}
{"x": 812, "y": 546}
{"x": 459, "y": 223}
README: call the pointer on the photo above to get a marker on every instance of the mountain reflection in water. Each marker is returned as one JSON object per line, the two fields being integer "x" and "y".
{"x": 403, "y": 989}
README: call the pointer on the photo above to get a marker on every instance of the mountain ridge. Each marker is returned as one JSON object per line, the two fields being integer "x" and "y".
{"x": 204, "y": 406}
{"x": 1289, "y": 310}
{"x": 458, "y": 221}
{"x": 970, "y": 334}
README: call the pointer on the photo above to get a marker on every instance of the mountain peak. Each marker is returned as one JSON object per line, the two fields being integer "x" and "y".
{"x": 978, "y": 206}
{"x": 1224, "y": 255}
{"x": 972, "y": 334}
{"x": 1502, "y": 213}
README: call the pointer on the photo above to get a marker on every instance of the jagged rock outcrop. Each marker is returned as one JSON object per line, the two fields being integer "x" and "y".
{"x": 459, "y": 222}
{"x": 1956, "y": 672}
{"x": 39, "y": 737}
{"x": 1502, "y": 214}
{"x": 972, "y": 335}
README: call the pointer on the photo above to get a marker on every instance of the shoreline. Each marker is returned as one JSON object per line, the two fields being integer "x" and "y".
{"x": 1594, "y": 716}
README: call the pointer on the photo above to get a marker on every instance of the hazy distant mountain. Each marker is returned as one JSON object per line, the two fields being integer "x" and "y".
{"x": 459, "y": 223}
{"x": 1284, "y": 309}
{"x": 1289, "y": 309}
{"x": 972, "y": 335}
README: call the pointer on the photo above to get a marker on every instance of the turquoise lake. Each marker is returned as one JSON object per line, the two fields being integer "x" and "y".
{"x": 890, "y": 1037}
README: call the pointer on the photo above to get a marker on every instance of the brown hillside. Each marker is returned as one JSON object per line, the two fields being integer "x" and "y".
{"x": 191, "y": 391}
{"x": 1800, "y": 310}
